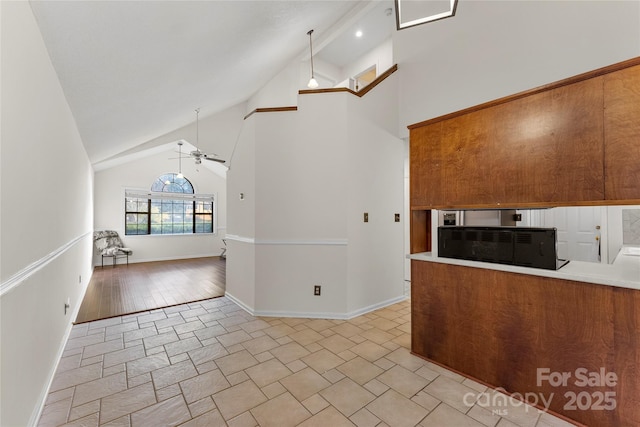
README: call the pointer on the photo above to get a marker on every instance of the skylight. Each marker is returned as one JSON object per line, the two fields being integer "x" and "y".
{"x": 410, "y": 13}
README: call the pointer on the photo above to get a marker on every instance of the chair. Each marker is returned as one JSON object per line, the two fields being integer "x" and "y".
{"x": 224, "y": 250}
{"x": 109, "y": 244}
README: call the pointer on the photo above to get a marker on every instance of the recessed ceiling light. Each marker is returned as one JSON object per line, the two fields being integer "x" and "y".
{"x": 358, "y": 33}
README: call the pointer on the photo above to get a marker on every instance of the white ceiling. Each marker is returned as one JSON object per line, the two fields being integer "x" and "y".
{"x": 376, "y": 24}
{"x": 135, "y": 70}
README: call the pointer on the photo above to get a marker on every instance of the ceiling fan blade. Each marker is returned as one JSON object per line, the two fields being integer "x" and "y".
{"x": 215, "y": 160}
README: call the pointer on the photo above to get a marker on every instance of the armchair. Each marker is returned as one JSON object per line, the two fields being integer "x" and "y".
{"x": 109, "y": 244}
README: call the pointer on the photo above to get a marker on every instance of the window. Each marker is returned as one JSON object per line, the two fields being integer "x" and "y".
{"x": 171, "y": 207}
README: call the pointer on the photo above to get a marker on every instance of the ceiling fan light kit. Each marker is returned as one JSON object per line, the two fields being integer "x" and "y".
{"x": 197, "y": 154}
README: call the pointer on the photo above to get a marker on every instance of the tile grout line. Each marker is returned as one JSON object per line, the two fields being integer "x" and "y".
{"x": 304, "y": 331}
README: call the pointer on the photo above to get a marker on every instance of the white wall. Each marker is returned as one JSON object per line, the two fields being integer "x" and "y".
{"x": 301, "y": 228}
{"x": 281, "y": 91}
{"x": 289, "y": 232}
{"x": 46, "y": 217}
{"x": 316, "y": 170}
{"x": 375, "y": 183}
{"x": 300, "y": 169}
{"x": 381, "y": 57}
{"x": 109, "y": 207}
{"x": 241, "y": 178}
{"x": 326, "y": 73}
{"x": 492, "y": 49}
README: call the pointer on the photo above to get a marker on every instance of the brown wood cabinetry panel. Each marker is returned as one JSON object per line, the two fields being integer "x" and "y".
{"x": 622, "y": 134}
{"x": 426, "y": 162}
{"x": 420, "y": 231}
{"x": 627, "y": 355}
{"x": 500, "y": 327}
{"x": 543, "y": 148}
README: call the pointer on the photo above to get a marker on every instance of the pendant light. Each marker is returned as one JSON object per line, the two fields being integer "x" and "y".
{"x": 180, "y": 176}
{"x": 313, "y": 83}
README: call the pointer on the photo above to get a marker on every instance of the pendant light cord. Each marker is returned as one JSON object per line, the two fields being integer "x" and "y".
{"x": 311, "y": 50}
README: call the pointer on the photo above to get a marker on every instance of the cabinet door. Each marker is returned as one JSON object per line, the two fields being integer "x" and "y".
{"x": 545, "y": 148}
{"x": 542, "y": 149}
{"x": 622, "y": 134}
{"x": 426, "y": 165}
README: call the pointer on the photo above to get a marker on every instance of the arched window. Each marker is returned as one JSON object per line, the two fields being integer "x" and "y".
{"x": 170, "y": 183}
{"x": 172, "y": 207}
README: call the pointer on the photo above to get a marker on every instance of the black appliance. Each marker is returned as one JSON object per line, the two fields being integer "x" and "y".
{"x": 523, "y": 246}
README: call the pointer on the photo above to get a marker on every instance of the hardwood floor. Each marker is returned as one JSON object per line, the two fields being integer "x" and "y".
{"x": 125, "y": 289}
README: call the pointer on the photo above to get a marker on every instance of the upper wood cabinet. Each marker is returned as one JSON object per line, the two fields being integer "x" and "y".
{"x": 574, "y": 142}
{"x": 622, "y": 134}
{"x": 540, "y": 149}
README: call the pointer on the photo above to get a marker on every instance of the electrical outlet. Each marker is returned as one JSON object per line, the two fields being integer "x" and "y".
{"x": 316, "y": 290}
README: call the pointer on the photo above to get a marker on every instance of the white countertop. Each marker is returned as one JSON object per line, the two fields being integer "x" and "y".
{"x": 624, "y": 272}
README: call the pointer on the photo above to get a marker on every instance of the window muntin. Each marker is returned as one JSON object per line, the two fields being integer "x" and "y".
{"x": 170, "y": 183}
{"x": 137, "y": 216}
{"x": 170, "y": 208}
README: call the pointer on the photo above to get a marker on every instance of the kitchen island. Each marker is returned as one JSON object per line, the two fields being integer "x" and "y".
{"x": 572, "y": 142}
{"x": 521, "y": 328}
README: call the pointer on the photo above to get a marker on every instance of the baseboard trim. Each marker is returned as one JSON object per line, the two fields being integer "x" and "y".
{"x": 239, "y": 303}
{"x": 317, "y": 315}
{"x": 42, "y": 399}
{"x": 377, "y": 306}
{"x": 97, "y": 263}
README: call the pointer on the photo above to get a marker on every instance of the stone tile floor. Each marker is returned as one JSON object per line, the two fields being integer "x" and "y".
{"x": 212, "y": 364}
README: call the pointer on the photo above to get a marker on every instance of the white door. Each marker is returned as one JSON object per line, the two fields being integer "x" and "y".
{"x": 578, "y": 231}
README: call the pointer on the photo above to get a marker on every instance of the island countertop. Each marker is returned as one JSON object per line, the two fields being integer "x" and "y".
{"x": 624, "y": 272}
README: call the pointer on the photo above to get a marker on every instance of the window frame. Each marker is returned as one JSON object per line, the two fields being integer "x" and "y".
{"x": 150, "y": 196}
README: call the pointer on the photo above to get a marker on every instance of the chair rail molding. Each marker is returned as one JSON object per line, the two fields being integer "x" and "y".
{"x": 22, "y": 275}
{"x": 288, "y": 242}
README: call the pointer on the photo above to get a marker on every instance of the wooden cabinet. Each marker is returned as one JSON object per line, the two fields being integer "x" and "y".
{"x": 622, "y": 134}
{"x": 426, "y": 163}
{"x": 500, "y": 327}
{"x": 541, "y": 149}
{"x": 574, "y": 142}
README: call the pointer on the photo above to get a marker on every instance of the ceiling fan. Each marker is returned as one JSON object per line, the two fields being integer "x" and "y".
{"x": 200, "y": 155}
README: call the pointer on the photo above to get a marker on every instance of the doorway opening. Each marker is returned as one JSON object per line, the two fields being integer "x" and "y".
{"x": 364, "y": 78}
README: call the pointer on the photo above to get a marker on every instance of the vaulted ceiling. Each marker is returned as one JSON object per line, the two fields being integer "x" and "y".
{"x": 135, "y": 70}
